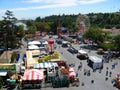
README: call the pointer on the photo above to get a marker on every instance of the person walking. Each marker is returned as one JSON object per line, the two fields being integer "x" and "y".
{"x": 107, "y": 73}
{"x": 85, "y": 71}
{"x": 80, "y": 66}
{"x": 92, "y": 81}
{"x": 110, "y": 73}
{"x": 113, "y": 65}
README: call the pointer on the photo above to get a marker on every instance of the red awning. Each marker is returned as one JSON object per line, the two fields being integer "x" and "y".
{"x": 33, "y": 74}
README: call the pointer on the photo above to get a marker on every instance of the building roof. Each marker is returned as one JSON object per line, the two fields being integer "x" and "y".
{"x": 95, "y": 59}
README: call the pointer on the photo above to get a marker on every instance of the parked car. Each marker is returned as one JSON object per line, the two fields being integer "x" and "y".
{"x": 64, "y": 44}
{"x": 82, "y": 54}
{"x": 59, "y": 41}
{"x": 72, "y": 50}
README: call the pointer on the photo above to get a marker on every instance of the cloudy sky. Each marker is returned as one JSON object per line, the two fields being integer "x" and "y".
{"x": 30, "y": 9}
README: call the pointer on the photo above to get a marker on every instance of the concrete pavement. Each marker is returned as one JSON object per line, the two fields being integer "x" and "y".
{"x": 5, "y": 57}
{"x": 99, "y": 78}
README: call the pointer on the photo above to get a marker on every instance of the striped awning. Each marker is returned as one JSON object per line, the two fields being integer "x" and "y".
{"x": 45, "y": 65}
{"x": 33, "y": 74}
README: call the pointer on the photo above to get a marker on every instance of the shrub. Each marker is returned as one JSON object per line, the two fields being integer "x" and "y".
{"x": 1, "y": 82}
{"x": 107, "y": 46}
{"x": 13, "y": 57}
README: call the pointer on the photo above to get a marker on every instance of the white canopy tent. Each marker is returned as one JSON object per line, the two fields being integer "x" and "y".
{"x": 34, "y": 43}
{"x": 31, "y": 47}
{"x": 45, "y": 42}
{"x": 45, "y": 65}
{"x": 82, "y": 52}
{"x": 95, "y": 59}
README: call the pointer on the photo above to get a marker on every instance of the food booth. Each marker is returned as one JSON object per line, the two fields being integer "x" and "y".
{"x": 32, "y": 78}
{"x": 50, "y": 69}
{"x": 116, "y": 81}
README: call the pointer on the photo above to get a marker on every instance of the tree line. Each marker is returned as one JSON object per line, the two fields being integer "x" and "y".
{"x": 11, "y": 34}
{"x": 50, "y": 23}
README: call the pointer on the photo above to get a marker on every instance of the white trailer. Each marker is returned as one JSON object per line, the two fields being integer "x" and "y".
{"x": 95, "y": 62}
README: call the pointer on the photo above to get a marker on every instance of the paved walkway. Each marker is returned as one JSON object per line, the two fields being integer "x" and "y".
{"x": 5, "y": 57}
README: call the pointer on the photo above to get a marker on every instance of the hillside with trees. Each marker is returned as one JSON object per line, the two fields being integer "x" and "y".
{"x": 102, "y": 20}
{"x": 50, "y": 24}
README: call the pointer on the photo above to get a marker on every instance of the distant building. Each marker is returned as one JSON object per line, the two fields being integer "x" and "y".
{"x": 113, "y": 31}
{"x": 20, "y": 23}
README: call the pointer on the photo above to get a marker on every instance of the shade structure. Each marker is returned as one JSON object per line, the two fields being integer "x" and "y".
{"x": 33, "y": 74}
{"x": 33, "y": 47}
{"x": 82, "y": 52}
{"x": 34, "y": 43}
{"x": 45, "y": 42}
{"x": 45, "y": 65}
{"x": 3, "y": 73}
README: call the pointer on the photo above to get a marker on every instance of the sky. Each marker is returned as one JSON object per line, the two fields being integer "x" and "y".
{"x": 30, "y": 9}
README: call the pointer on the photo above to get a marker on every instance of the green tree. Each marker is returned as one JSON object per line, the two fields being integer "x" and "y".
{"x": 29, "y": 23}
{"x": 20, "y": 32}
{"x": 32, "y": 29}
{"x": 38, "y": 19}
{"x": 13, "y": 57}
{"x": 1, "y": 82}
{"x": 42, "y": 26}
{"x": 9, "y": 28}
{"x": 116, "y": 41}
{"x": 95, "y": 34}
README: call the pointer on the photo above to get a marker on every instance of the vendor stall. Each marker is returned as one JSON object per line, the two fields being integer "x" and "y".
{"x": 71, "y": 74}
{"x": 32, "y": 78}
{"x": 116, "y": 81}
{"x": 45, "y": 65}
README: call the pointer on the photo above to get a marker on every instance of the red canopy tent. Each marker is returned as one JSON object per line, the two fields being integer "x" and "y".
{"x": 33, "y": 74}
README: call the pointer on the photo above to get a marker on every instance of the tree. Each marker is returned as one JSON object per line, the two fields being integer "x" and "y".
{"x": 95, "y": 34}
{"x": 38, "y": 19}
{"x": 19, "y": 31}
{"x": 8, "y": 28}
{"x": 29, "y": 23}
{"x": 1, "y": 82}
{"x": 32, "y": 29}
{"x": 42, "y": 26}
{"x": 116, "y": 41}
